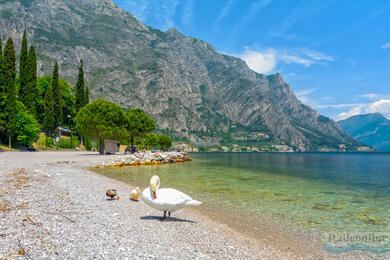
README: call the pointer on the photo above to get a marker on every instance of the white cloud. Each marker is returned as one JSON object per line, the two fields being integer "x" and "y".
{"x": 267, "y": 60}
{"x": 338, "y": 105}
{"x": 305, "y": 92}
{"x": 224, "y": 12}
{"x": 295, "y": 59}
{"x": 253, "y": 10}
{"x": 369, "y": 96}
{"x": 302, "y": 95}
{"x": 261, "y": 62}
{"x": 303, "y": 11}
{"x": 353, "y": 112}
{"x": 372, "y": 96}
{"x": 381, "y": 106}
{"x": 385, "y": 45}
{"x": 188, "y": 13}
{"x": 138, "y": 8}
{"x": 163, "y": 13}
{"x": 317, "y": 56}
{"x": 166, "y": 14}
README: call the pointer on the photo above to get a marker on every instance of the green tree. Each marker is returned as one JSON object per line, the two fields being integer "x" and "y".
{"x": 31, "y": 92}
{"x": 86, "y": 96}
{"x": 23, "y": 70}
{"x": 151, "y": 140}
{"x": 140, "y": 142}
{"x": 48, "y": 116}
{"x": 68, "y": 99}
{"x": 2, "y": 91}
{"x": 9, "y": 74}
{"x": 57, "y": 97}
{"x": 139, "y": 124}
{"x": 27, "y": 128}
{"x": 80, "y": 88}
{"x": 68, "y": 103}
{"x": 88, "y": 144}
{"x": 1, "y": 62}
{"x": 42, "y": 86}
{"x": 165, "y": 142}
{"x": 101, "y": 120}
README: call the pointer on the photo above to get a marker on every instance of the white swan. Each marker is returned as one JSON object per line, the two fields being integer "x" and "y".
{"x": 167, "y": 200}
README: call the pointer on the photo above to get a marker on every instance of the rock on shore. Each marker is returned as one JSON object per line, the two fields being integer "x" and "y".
{"x": 146, "y": 158}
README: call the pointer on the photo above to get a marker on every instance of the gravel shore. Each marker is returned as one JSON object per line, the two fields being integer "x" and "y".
{"x": 51, "y": 207}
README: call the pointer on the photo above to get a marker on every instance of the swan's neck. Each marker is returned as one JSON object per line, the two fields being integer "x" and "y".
{"x": 152, "y": 194}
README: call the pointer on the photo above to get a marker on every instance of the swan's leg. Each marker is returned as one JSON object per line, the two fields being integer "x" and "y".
{"x": 169, "y": 214}
{"x": 165, "y": 216}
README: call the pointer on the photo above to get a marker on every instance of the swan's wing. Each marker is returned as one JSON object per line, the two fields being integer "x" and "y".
{"x": 167, "y": 199}
{"x": 173, "y": 197}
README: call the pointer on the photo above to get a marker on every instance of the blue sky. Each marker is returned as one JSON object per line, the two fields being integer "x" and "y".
{"x": 335, "y": 55}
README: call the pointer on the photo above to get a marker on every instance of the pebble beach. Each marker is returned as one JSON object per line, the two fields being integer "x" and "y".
{"x": 52, "y": 207}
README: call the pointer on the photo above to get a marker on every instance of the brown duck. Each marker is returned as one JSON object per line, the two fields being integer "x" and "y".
{"x": 111, "y": 193}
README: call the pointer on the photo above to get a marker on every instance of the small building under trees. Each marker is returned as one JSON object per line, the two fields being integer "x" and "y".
{"x": 111, "y": 146}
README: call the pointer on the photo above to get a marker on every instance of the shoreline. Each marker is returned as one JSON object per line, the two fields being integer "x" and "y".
{"x": 286, "y": 236}
{"x": 59, "y": 206}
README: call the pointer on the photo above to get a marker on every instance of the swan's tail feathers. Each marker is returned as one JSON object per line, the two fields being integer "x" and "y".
{"x": 194, "y": 203}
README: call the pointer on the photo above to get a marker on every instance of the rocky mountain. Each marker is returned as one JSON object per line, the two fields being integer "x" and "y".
{"x": 372, "y": 129}
{"x": 193, "y": 92}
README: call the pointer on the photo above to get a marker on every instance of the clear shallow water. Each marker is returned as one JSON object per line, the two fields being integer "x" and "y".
{"x": 323, "y": 191}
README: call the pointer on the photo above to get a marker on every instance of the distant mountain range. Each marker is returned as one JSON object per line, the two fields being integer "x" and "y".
{"x": 372, "y": 129}
{"x": 193, "y": 92}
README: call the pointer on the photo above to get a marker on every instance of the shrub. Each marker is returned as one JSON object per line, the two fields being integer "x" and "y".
{"x": 42, "y": 141}
{"x": 27, "y": 127}
{"x": 69, "y": 143}
{"x": 88, "y": 144}
{"x": 63, "y": 143}
{"x": 165, "y": 142}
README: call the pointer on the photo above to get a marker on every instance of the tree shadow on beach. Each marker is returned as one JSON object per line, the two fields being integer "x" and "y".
{"x": 171, "y": 219}
{"x": 96, "y": 154}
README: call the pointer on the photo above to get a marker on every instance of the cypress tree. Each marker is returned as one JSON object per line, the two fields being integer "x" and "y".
{"x": 2, "y": 90}
{"x": 9, "y": 69}
{"x": 31, "y": 94}
{"x": 48, "y": 116}
{"x": 80, "y": 88}
{"x": 86, "y": 96}
{"x": 57, "y": 97}
{"x": 23, "y": 70}
{"x": 1, "y": 64}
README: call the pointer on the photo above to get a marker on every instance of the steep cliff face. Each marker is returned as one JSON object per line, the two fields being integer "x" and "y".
{"x": 192, "y": 91}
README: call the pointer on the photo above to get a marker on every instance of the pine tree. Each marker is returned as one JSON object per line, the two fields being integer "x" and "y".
{"x": 80, "y": 88}
{"x": 9, "y": 74}
{"x": 86, "y": 96}
{"x": 48, "y": 116}
{"x": 31, "y": 94}
{"x": 23, "y": 70}
{"x": 57, "y": 97}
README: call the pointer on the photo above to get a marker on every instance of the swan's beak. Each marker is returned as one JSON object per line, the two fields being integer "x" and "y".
{"x": 154, "y": 195}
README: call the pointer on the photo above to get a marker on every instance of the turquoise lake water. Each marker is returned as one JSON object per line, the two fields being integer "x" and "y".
{"x": 321, "y": 191}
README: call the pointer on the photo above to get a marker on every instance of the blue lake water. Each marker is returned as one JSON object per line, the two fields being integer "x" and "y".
{"x": 320, "y": 191}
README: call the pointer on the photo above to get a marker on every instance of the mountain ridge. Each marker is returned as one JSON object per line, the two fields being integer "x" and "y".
{"x": 372, "y": 129}
{"x": 193, "y": 92}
